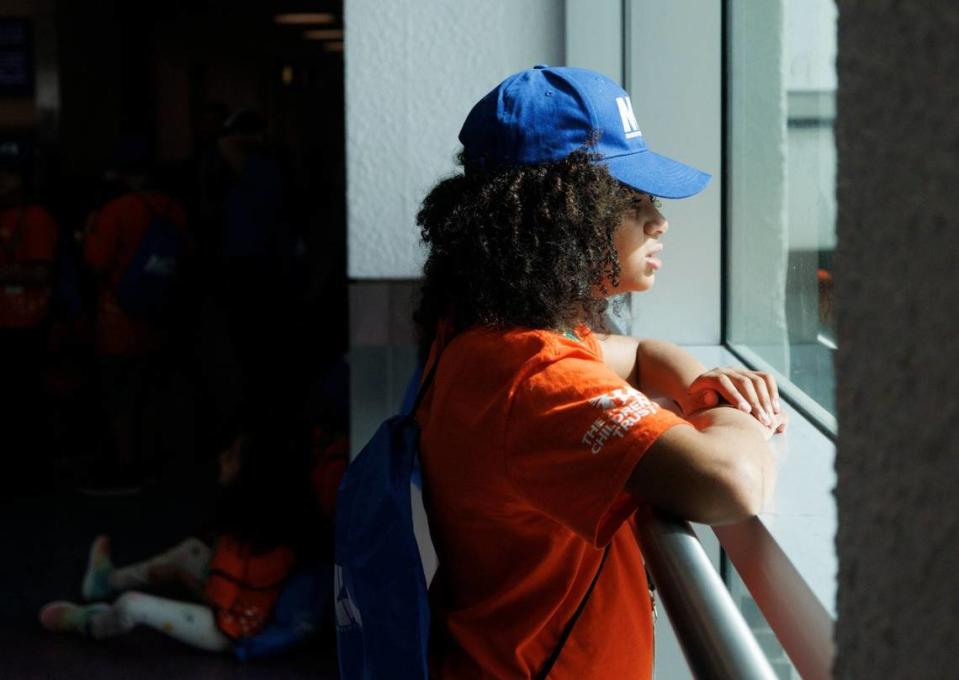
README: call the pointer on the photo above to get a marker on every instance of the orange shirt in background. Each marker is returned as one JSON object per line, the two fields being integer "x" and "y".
{"x": 527, "y": 441}
{"x": 111, "y": 244}
{"x": 28, "y": 235}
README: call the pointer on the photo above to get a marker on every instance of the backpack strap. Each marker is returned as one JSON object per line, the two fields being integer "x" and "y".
{"x": 427, "y": 381}
{"x": 424, "y": 387}
{"x": 547, "y": 666}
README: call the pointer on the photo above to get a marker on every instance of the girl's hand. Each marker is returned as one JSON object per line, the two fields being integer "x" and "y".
{"x": 753, "y": 392}
{"x": 780, "y": 421}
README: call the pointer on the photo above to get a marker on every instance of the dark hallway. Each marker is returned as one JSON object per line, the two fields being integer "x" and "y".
{"x": 46, "y": 538}
{"x": 200, "y": 144}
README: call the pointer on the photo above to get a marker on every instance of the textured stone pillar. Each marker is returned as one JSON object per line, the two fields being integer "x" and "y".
{"x": 898, "y": 364}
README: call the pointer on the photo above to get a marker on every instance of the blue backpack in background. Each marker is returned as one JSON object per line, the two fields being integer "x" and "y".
{"x": 148, "y": 288}
{"x": 297, "y": 616}
{"x": 380, "y": 590}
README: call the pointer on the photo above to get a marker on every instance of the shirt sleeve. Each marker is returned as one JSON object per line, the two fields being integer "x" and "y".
{"x": 39, "y": 237}
{"x": 575, "y": 432}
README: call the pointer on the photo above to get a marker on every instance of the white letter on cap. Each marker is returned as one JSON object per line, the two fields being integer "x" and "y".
{"x": 630, "y": 126}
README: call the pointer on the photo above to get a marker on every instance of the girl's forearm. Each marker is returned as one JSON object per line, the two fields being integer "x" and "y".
{"x": 666, "y": 369}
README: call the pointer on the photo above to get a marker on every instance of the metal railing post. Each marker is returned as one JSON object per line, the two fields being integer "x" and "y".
{"x": 715, "y": 639}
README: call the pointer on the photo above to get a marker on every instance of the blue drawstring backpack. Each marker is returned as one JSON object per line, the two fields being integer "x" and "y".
{"x": 380, "y": 590}
{"x": 147, "y": 288}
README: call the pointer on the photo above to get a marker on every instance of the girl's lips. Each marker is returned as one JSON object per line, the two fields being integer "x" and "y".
{"x": 653, "y": 259}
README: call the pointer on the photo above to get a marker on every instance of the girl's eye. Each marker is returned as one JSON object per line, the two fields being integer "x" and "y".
{"x": 640, "y": 201}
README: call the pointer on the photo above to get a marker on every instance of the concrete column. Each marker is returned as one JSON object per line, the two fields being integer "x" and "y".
{"x": 897, "y": 132}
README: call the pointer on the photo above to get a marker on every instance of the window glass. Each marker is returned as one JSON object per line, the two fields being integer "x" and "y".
{"x": 781, "y": 209}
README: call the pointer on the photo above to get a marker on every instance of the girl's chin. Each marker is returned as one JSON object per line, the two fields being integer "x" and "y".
{"x": 641, "y": 283}
{"x": 633, "y": 287}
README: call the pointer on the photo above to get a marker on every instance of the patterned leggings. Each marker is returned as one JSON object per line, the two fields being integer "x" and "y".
{"x": 188, "y": 622}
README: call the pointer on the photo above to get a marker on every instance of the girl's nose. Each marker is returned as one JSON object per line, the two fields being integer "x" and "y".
{"x": 657, "y": 226}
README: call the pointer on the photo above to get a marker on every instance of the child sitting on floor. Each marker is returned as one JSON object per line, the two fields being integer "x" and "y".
{"x": 232, "y": 583}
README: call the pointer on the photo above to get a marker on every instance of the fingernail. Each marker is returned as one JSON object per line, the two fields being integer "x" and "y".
{"x": 777, "y": 406}
{"x": 745, "y": 406}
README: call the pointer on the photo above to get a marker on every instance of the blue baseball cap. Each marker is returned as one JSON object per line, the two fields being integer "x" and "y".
{"x": 545, "y": 113}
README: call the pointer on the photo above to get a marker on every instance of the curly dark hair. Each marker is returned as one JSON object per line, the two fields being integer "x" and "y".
{"x": 522, "y": 246}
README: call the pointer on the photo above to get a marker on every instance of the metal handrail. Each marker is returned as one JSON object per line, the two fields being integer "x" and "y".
{"x": 802, "y": 625}
{"x": 713, "y": 635}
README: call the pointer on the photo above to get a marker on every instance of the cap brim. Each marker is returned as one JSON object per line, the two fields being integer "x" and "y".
{"x": 657, "y": 175}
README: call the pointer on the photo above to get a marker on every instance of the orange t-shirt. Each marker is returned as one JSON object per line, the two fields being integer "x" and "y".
{"x": 28, "y": 235}
{"x": 111, "y": 244}
{"x": 527, "y": 441}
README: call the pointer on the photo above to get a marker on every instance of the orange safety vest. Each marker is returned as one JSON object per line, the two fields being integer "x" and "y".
{"x": 242, "y": 587}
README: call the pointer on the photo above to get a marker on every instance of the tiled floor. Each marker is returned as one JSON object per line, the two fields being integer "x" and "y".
{"x": 44, "y": 541}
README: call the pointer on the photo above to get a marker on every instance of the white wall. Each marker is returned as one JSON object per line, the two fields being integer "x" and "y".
{"x": 594, "y": 36}
{"x": 414, "y": 68}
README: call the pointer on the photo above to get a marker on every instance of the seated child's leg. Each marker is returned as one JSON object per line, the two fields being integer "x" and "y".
{"x": 96, "y": 579}
{"x": 66, "y": 617}
{"x": 101, "y": 580}
{"x": 190, "y": 623}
